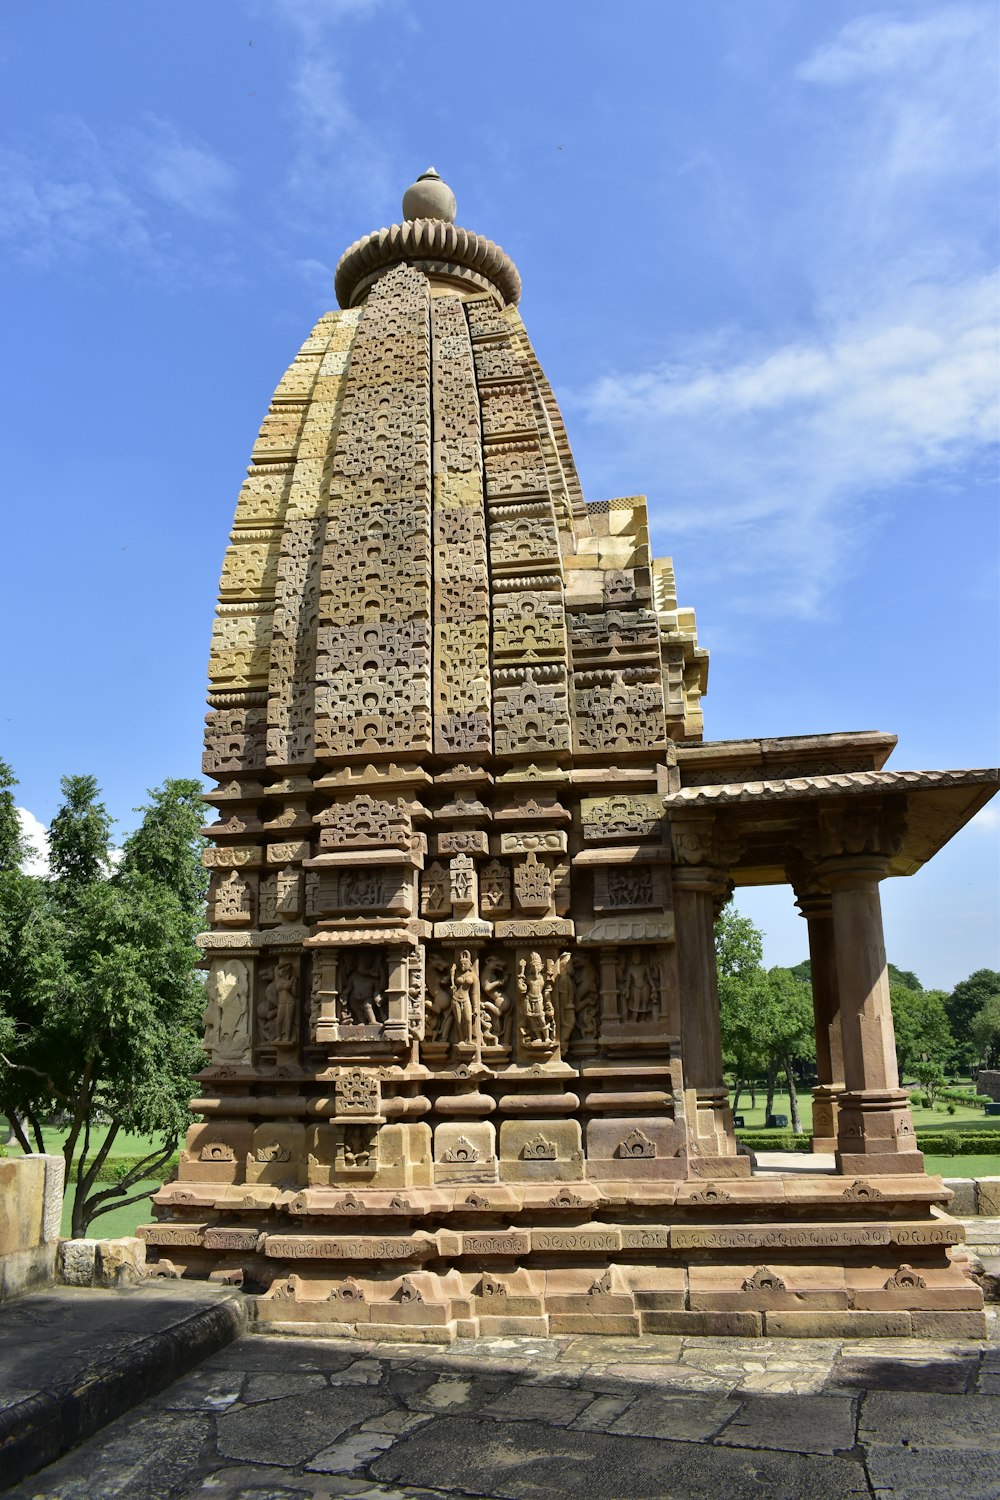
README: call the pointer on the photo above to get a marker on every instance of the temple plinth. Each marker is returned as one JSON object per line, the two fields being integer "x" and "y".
{"x": 464, "y": 1071}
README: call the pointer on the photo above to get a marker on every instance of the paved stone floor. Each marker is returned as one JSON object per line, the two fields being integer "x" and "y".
{"x": 274, "y": 1418}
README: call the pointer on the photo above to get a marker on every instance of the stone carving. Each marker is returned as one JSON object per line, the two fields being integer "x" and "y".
{"x": 636, "y": 1144}
{"x": 234, "y": 899}
{"x": 435, "y": 899}
{"x": 464, "y": 989}
{"x": 764, "y": 1280}
{"x": 637, "y": 972}
{"x": 278, "y": 1006}
{"x": 861, "y": 1191}
{"x": 539, "y": 1149}
{"x": 463, "y": 1150}
{"x": 906, "y": 1279}
{"x": 496, "y": 1005}
{"x": 216, "y": 1151}
{"x": 357, "y": 1093}
{"x": 362, "y": 988}
{"x": 586, "y": 1003}
{"x": 535, "y": 1010}
{"x": 494, "y": 887}
{"x": 533, "y": 884}
{"x": 227, "y": 1015}
{"x": 274, "y": 1152}
{"x": 468, "y": 846}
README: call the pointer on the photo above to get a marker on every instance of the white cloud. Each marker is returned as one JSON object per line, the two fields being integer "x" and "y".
{"x": 337, "y": 149}
{"x": 884, "y": 43}
{"x": 182, "y": 172}
{"x": 986, "y": 820}
{"x": 71, "y": 192}
{"x": 783, "y": 454}
{"x": 795, "y": 440}
{"x": 37, "y": 836}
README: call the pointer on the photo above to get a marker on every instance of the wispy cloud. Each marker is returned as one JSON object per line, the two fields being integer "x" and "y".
{"x": 784, "y": 454}
{"x": 884, "y": 43}
{"x": 337, "y": 147}
{"x": 72, "y": 192}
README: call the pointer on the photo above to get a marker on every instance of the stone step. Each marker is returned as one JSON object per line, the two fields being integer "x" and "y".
{"x": 72, "y": 1359}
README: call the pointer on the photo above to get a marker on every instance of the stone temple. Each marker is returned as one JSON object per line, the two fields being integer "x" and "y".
{"x": 465, "y": 1072}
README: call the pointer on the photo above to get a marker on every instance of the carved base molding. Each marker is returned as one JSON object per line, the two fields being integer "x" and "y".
{"x": 813, "y": 1257}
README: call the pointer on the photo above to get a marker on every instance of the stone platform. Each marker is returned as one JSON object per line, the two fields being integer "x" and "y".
{"x": 792, "y": 1256}
{"x": 533, "y": 1419}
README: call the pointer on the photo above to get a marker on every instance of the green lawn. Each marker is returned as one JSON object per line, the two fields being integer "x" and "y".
{"x": 963, "y": 1166}
{"x": 966, "y": 1116}
{"x": 117, "y": 1221}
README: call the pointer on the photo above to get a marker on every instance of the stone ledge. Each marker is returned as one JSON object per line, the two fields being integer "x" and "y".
{"x": 65, "y": 1407}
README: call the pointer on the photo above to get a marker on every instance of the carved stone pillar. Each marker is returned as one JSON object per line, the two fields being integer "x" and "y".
{"x": 699, "y": 877}
{"x": 874, "y": 1124}
{"x": 816, "y": 906}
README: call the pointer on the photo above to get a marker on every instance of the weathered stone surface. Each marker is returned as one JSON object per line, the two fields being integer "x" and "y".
{"x": 294, "y": 1429}
{"x": 468, "y": 853}
{"x": 530, "y": 1461}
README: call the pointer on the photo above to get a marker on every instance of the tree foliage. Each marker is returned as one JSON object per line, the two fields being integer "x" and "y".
{"x": 964, "y": 1005}
{"x": 766, "y": 1015}
{"x": 107, "y": 1028}
{"x": 921, "y": 1026}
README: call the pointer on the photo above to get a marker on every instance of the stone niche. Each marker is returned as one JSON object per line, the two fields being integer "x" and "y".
{"x": 464, "y": 1072}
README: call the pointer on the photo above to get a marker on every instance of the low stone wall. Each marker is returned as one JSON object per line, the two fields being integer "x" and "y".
{"x": 988, "y": 1082}
{"x": 974, "y": 1195}
{"x": 31, "y": 1194}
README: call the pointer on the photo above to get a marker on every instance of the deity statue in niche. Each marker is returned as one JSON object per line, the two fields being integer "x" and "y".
{"x": 438, "y": 999}
{"x": 227, "y": 1015}
{"x": 536, "y": 1014}
{"x": 630, "y": 885}
{"x": 361, "y": 888}
{"x": 286, "y": 987}
{"x": 495, "y": 1006}
{"x": 362, "y": 988}
{"x": 586, "y": 998}
{"x": 638, "y": 975}
{"x": 464, "y": 984}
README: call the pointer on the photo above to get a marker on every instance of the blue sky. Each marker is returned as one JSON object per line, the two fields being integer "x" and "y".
{"x": 758, "y": 240}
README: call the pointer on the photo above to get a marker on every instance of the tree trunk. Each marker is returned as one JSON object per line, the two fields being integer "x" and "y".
{"x": 736, "y": 1098}
{"x": 752, "y": 1086}
{"x": 18, "y": 1133}
{"x": 793, "y": 1098}
{"x": 772, "y": 1079}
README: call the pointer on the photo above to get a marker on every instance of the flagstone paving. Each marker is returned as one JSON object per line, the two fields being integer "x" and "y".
{"x": 276, "y": 1418}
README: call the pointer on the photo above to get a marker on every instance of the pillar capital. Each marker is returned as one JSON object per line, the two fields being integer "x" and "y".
{"x": 861, "y": 827}
{"x": 703, "y": 854}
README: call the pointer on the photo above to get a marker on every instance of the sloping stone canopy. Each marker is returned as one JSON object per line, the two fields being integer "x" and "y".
{"x": 464, "y": 1066}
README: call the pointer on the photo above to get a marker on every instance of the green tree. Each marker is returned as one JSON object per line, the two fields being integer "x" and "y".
{"x": 113, "y": 1033}
{"x": 79, "y": 837}
{"x": 921, "y": 1026}
{"x": 986, "y": 1032}
{"x": 905, "y": 977}
{"x": 790, "y": 1033}
{"x": 964, "y": 1004}
{"x": 742, "y": 981}
{"x": 29, "y": 929}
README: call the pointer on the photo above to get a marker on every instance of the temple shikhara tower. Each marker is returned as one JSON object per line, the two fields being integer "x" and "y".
{"x": 464, "y": 1066}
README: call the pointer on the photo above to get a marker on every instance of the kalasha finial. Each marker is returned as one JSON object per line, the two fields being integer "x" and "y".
{"x": 429, "y": 198}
